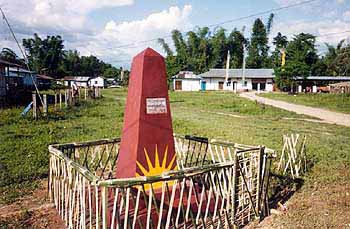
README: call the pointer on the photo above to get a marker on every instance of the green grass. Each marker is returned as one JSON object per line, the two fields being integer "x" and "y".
{"x": 219, "y": 115}
{"x": 334, "y": 102}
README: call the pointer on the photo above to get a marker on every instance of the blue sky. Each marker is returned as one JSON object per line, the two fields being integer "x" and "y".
{"x": 99, "y": 27}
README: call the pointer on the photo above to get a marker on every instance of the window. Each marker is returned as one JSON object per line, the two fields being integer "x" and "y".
{"x": 96, "y": 82}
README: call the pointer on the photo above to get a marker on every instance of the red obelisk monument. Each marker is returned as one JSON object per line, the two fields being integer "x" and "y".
{"x": 147, "y": 144}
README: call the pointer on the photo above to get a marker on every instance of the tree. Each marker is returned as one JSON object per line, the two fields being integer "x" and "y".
{"x": 236, "y": 44}
{"x": 258, "y": 47}
{"x": 280, "y": 42}
{"x": 44, "y": 55}
{"x": 112, "y": 72}
{"x": 218, "y": 42}
{"x": 71, "y": 64}
{"x": 300, "y": 57}
{"x": 9, "y": 55}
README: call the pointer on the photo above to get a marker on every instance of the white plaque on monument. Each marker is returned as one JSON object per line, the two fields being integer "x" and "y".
{"x": 156, "y": 106}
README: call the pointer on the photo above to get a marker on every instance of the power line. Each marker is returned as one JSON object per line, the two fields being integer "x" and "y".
{"x": 332, "y": 34}
{"x": 317, "y": 36}
{"x": 225, "y": 22}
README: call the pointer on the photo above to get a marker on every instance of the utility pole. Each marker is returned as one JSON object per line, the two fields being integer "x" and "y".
{"x": 243, "y": 66}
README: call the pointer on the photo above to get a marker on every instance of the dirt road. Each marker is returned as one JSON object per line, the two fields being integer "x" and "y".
{"x": 326, "y": 115}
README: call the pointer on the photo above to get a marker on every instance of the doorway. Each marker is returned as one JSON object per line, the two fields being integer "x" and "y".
{"x": 178, "y": 85}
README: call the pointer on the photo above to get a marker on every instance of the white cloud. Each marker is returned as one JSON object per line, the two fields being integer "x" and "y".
{"x": 67, "y": 15}
{"x": 69, "y": 18}
{"x": 318, "y": 28}
{"x": 105, "y": 44}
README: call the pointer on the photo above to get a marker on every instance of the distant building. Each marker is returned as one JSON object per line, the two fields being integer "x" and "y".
{"x": 80, "y": 81}
{"x": 214, "y": 79}
{"x": 85, "y": 81}
{"x": 316, "y": 84}
{"x": 98, "y": 82}
{"x": 44, "y": 81}
{"x": 340, "y": 88}
{"x": 186, "y": 81}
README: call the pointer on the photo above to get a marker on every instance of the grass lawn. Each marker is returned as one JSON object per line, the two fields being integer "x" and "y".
{"x": 323, "y": 200}
{"x": 334, "y": 102}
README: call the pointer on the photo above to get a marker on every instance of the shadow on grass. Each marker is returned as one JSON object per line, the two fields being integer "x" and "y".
{"x": 282, "y": 188}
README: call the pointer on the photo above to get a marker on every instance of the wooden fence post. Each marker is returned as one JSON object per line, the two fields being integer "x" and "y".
{"x": 55, "y": 100}
{"x": 234, "y": 185}
{"x": 60, "y": 94}
{"x": 104, "y": 202}
{"x": 66, "y": 94}
{"x": 258, "y": 187}
{"x": 34, "y": 106}
{"x": 85, "y": 93}
{"x": 45, "y": 105}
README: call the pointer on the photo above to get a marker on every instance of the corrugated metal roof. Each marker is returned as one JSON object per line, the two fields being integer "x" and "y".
{"x": 341, "y": 84}
{"x": 237, "y": 73}
{"x": 7, "y": 63}
{"x": 77, "y": 78}
{"x": 186, "y": 75}
{"x": 325, "y": 78}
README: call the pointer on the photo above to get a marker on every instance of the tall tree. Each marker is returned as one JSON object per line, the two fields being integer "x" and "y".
{"x": 236, "y": 44}
{"x": 45, "y": 55}
{"x": 258, "y": 47}
{"x": 219, "y": 49}
{"x": 9, "y": 55}
{"x": 301, "y": 56}
{"x": 280, "y": 42}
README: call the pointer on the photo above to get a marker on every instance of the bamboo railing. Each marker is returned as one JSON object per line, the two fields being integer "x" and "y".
{"x": 217, "y": 184}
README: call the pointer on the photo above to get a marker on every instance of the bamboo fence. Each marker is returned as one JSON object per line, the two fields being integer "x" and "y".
{"x": 217, "y": 185}
{"x": 293, "y": 156}
{"x": 63, "y": 97}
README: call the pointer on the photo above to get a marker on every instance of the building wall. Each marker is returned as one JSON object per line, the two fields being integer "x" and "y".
{"x": 189, "y": 84}
{"x": 97, "y": 82}
{"x": 28, "y": 80}
{"x": 269, "y": 85}
{"x": 2, "y": 82}
{"x": 69, "y": 83}
{"x": 213, "y": 84}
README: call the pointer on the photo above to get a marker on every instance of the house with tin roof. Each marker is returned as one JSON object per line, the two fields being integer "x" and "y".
{"x": 186, "y": 81}
{"x": 214, "y": 79}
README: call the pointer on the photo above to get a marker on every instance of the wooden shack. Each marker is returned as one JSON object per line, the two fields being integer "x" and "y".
{"x": 12, "y": 85}
{"x": 340, "y": 88}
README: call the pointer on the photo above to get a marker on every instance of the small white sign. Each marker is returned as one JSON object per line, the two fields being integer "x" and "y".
{"x": 156, "y": 106}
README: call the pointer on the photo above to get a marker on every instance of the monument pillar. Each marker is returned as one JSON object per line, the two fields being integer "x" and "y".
{"x": 147, "y": 142}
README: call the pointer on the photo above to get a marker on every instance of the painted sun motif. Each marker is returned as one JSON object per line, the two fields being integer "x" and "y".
{"x": 156, "y": 168}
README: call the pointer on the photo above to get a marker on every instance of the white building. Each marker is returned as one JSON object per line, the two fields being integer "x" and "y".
{"x": 97, "y": 82}
{"x": 214, "y": 79}
{"x": 85, "y": 81}
{"x": 186, "y": 81}
{"x": 80, "y": 81}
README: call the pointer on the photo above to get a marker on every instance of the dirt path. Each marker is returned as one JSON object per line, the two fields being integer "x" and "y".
{"x": 327, "y": 116}
{"x": 32, "y": 211}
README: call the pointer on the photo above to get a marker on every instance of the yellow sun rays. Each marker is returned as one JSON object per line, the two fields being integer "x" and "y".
{"x": 157, "y": 168}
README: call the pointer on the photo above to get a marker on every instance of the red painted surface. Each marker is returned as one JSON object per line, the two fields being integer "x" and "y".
{"x": 144, "y": 130}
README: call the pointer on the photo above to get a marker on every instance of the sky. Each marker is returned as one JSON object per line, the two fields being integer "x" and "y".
{"x": 112, "y": 29}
